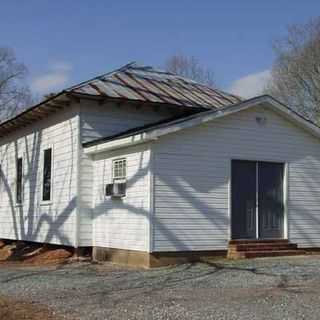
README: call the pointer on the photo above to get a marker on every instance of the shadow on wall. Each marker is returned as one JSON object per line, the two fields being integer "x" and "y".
{"x": 303, "y": 198}
{"x": 179, "y": 239}
{"x": 304, "y": 228}
{"x": 32, "y": 221}
{"x": 194, "y": 215}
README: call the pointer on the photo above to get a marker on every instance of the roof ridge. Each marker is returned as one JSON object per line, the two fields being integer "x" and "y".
{"x": 126, "y": 66}
{"x": 136, "y": 65}
{"x": 107, "y": 85}
{"x": 160, "y": 70}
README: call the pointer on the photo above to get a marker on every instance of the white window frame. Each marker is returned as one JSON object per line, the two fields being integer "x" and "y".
{"x": 120, "y": 178}
{"x": 19, "y": 204}
{"x": 47, "y": 202}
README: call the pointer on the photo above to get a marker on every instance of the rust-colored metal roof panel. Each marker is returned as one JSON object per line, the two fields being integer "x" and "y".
{"x": 134, "y": 83}
{"x": 147, "y": 84}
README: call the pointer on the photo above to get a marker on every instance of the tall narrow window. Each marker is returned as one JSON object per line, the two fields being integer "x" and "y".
{"x": 47, "y": 174}
{"x": 19, "y": 181}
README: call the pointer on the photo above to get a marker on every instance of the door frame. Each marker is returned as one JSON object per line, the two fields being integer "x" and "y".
{"x": 285, "y": 195}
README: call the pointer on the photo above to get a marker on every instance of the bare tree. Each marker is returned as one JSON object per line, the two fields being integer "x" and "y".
{"x": 14, "y": 94}
{"x": 189, "y": 67}
{"x": 296, "y": 71}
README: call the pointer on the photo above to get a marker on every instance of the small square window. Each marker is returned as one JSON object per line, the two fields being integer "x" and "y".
{"x": 119, "y": 171}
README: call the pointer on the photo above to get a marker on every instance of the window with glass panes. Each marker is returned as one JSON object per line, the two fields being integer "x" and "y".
{"x": 119, "y": 171}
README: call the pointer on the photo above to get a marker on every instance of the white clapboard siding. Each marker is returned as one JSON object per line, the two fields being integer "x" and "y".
{"x": 86, "y": 199}
{"x": 192, "y": 173}
{"x": 103, "y": 120}
{"x": 34, "y": 221}
{"x": 122, "y": 223}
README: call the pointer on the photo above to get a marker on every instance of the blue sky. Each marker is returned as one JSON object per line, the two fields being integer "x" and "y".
{"x": 65, "y": 42}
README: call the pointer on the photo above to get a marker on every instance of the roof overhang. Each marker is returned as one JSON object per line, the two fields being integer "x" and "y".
{"x": 62, "y": 100}
{"x": 134, "y": 84}
{"x": 35, "y": 113}
{"x": 203, "y": 117}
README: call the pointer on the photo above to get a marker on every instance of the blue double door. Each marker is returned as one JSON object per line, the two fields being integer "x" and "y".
{"x": 257, "y": 204}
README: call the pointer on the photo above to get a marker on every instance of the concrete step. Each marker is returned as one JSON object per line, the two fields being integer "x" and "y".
{"x": 254, "y": 241}
{"x": 262, "y": 247}
{"x": 262, "y": 254}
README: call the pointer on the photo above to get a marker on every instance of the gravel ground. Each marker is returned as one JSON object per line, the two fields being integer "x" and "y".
{"x": 273, "y": 288}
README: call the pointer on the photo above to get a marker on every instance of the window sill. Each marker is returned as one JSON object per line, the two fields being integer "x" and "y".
{"x": 118, "y": 198}
{"x": 46, "y": 203}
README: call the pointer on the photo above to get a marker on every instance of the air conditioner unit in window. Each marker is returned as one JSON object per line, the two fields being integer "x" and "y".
{"x": 116, "y": 190}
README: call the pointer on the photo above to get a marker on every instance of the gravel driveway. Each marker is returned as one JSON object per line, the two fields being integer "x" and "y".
{"x": 274, "y": 288}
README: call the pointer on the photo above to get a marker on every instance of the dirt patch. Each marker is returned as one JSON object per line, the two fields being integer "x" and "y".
{"x": 50, "y": 256}
{"x": 5, "y": 252}
{"x": 33, "y": 253}
{"x": 15, "y": 310}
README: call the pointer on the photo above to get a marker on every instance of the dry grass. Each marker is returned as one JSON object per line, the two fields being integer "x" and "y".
{"x": 15, "y": 310}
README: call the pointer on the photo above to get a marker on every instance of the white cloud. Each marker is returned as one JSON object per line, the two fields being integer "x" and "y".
{"x": 49, "y": 82}
{"x": 250, "y": 85}
{"x": 55, "y": 79}
{"x": 61, "y": 66}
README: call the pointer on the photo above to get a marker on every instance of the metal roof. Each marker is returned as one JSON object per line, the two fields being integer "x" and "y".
{"x": 144, "y": 83}
{"x": 134, "y": 83}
